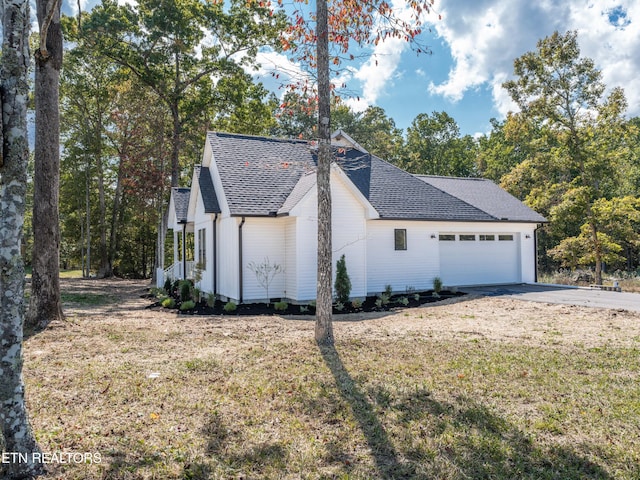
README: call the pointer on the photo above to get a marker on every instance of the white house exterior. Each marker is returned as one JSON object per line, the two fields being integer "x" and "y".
{"x": 253, "y": 199}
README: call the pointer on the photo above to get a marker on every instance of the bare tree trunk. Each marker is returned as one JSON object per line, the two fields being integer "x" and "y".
{"x": 324, "y": 326}
{"x": 597, "y": 250}
{"x": 15, "y": 432}
{"x": 103, "y": 270}
{"x": 45, "y": 305}
{"x": 88, "y": 218}
{"x": 115, "y": 217}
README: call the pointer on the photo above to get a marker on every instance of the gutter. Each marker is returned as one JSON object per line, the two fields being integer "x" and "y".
{"x": 240, "y": 260}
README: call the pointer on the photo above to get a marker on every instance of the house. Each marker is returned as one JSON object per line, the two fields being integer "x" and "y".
{"x": 253, "y": 200}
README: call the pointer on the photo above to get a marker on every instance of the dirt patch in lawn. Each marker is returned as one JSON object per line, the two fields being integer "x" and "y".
{"x": 502, "y": 319}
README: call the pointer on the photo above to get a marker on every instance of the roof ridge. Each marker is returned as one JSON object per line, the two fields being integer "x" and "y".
{"x": 257, "y": 137}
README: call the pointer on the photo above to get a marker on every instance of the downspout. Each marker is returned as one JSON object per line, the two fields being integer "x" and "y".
{"x": 535, "y": 253}
{"x": 184, "y": 251}
{"x": 215, "y": 255}
{"x": 240, "y": 259}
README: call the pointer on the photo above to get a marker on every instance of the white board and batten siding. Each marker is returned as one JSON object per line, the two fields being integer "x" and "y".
{"x": 413, "y": 268}
{"x": 348, "y": 237}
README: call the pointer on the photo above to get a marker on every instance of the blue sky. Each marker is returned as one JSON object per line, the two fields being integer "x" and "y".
{"x": 474, "y": 46}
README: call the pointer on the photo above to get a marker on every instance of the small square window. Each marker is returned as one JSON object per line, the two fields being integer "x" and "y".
{"x": 467, "y": 238}
{"x": 400, "y": 236}
{"x": 487, "y": 238}
{"x": 505, "y": 238}
{"x": 445, "y": 237}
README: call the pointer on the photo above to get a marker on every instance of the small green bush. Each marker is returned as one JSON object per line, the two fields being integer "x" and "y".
{"x": 388, "y": 290}
{"x": 356, "y": 303}
{"x": 281, "y": 306}
{"x": 384, "y": 298}
{"x": 168, "y": 303}
{"x": 304, "y": 309}
{"x": 188, "y": 305}
{"x": 437, "y": 284}
{"x": 416, "y": 297}
{"x": 196, "y": 294}
{"x": 378, "y": 302}
{"x": 230, "y": 307}
{"x": 185, "y": 290}
{"x": 339, "y": 306}
{"x": 342, "y": 285}
{"x": 211, "y": 300}
{"x": 167, "y": 286}
{"x": 403, "y": 301}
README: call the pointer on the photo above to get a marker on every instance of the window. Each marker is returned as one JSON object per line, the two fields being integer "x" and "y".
{"x": 400, "y": 236}
{"x": 445, "y": 237}
{"x": 202, "y": 247}
{"x": 467, "y": 238}
{"x": 487, "y": 238}
{"x": 505, "y": 238}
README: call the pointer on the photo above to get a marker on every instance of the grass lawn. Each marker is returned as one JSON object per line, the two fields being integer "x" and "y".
{"x": 486, "y": 388}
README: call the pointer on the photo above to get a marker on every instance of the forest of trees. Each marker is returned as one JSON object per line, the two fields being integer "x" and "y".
{"x": 135, "y": 109}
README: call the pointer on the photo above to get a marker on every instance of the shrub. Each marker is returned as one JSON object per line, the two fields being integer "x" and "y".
{"x": 384, "y": 298}
{"x": 403, "y": 301}
{"x": 378, "y": 302}
{"x": 416, "y": 297}
{"x": 437, "y": 284}
{"x": 388, "y": 290}
{"x": 168, "y": 303}
{"x": 281, "y": 306}
{"x": 188, "y": 305}
{"x": 185, "y": 290}
{"x": 356, "y": 303}
{"x": 230, "y": 307}
{"x": 168, "y": 285}
{"x": 339, "y": 306}
{"x": 211, "y": 300}
{"x": 342, "y": 285}
{"x": 196, "y": 294}
{"x": 304, "y": 309}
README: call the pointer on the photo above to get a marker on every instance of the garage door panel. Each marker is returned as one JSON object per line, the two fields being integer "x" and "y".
{"x": 477, "y": 262}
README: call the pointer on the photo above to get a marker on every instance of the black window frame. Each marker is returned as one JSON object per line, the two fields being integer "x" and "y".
{"x": 400, "y": 239}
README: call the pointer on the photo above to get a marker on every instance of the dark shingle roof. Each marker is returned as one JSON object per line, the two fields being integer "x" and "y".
{"x": 396, "y": 194}
{"x": 258, "y": 173}
{"x": 265, "y": 176}
{"x": 181, "y": 203}
{"x": 486, "y": 196}
{"x": 208, "y": 193}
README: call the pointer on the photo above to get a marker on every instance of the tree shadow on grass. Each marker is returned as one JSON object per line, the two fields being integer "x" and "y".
{"x": 429, "y": 438}
{"x": 386, "y": 458}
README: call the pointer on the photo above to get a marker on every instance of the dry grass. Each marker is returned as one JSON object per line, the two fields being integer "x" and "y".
{"x": 485, "y": 388}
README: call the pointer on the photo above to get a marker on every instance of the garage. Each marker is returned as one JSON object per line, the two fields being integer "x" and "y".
{"x": 479, "y": 258}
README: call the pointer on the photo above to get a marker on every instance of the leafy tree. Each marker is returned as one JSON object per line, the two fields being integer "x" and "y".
{"x": 434, "y": 147}
{"x": 46, "y": 305}
{"x": 341, "y": 24}
{"x": 15, "y": 432}
{"x": 581, "y": 140}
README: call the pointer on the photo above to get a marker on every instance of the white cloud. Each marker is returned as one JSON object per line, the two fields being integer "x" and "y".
{"x": 485, "y": 36}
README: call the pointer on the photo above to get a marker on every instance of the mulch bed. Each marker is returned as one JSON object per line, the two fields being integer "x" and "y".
{"x": 395, "y": 303}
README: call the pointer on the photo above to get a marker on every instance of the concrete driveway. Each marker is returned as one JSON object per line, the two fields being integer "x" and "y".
{"x": 562, "y": 294}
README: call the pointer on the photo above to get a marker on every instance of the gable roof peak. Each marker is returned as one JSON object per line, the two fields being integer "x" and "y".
{"x": 341, "y": 139}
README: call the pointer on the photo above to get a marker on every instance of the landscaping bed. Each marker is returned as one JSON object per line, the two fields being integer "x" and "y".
{"x": 385, "y": 302}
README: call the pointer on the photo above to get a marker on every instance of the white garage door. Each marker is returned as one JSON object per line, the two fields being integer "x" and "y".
{"x": 479, "y": 259}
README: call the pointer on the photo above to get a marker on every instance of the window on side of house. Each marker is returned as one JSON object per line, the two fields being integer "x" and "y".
{"x": 202, "y": 246}
{"x": 487, "y": 238}
{"x": 447, "y": 237}
{"x": 505, "y": 238}
{"x": 400, "y": 238}
{"x": 467, "y": 238}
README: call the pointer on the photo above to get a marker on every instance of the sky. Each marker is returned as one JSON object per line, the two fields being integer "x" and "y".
{"x": 473, "y": 48}
{"x": 473, "y": 45}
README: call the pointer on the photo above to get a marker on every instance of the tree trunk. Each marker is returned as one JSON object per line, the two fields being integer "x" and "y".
{"x": 597, "y": 251}
{"x": 88, "y": 218}
{"x": 15, "y": 432}
{"x": 115, "y": 217}
{"x": 103, "y": 270}
{"x": 45, "y": 305}
{"x": 324, "y": 326}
